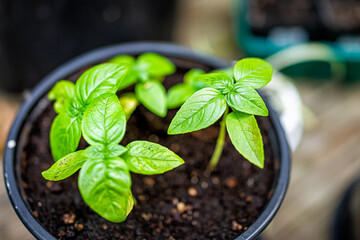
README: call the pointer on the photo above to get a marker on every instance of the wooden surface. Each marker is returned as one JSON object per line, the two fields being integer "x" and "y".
{"x": 326, "y": 161}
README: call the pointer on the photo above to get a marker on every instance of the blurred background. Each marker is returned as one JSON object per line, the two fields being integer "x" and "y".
{"x": 314, "y": 45}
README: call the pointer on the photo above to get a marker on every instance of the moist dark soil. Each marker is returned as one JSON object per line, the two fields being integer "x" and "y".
{"x": 180, "y": 204}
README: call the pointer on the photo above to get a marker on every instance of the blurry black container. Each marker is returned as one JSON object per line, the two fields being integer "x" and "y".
{"x": 37, "y": 35}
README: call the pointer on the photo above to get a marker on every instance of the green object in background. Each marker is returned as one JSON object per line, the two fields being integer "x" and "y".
{"x": 344, "y": 51}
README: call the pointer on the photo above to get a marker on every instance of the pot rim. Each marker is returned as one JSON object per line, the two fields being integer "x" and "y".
{"x": 95, "y": 56}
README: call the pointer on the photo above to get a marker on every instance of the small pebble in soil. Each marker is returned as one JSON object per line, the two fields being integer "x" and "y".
{"x": 194, "y": 180}
{"x": 69, "y": 218}
{"x": 149, "y": 181}
{"x": 180, "y": 207}
{"x": 215, "y": 180}
{"x": 236, "y": 226}
{"x": 105, "y": 227}
{"x": 142, "y": 197}
{"x": 175, "y": 201}
{"x": 192, "y": 192}
{"x": 204, "y": 185}
{"x": 79, "y": 226}
{"x": 230, "y": 182}
{"x": 248, "y": 198}
{"x": 35, "y": 214}
{"x": 250, "y": 182}
{"x": 146, "y": 216}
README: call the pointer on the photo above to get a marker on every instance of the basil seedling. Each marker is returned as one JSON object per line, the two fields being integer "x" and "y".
{"x": 147, "y": 73}
{"x": 71, "y": 101}
{"x": 104, "y": 179}
{"x": 207, "y": 106}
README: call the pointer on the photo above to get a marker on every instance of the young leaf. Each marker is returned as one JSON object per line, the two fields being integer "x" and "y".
{"x": 229, "y": 71}
{"x": 123, "y": 60}
{"x": 105, "y": 185}
{"x": 61, "y": 92}
{"x": 152, "y": 95}
{"x": 102, "y": 78}
{"x": 131, "y": 76}
{"x": 104, "y": 121}
{"x": 191, "y": 79}
{"x": 150, "y": 158}
{"x": 201, "y": 110}
{"x": 129, "y": 103}
{"x": 74, "y": 108}
{"x": 178, "y": 94}
{"x": 219, "y": 81}
{"x": 104, "y": 151}
{"x": 253, "y": 71}
{"x": 245, "y": 99}
{"x": 62, "y": 89}
{"x": 246, "y": 137}
{"x": 66, "y": 166}
{"x": 155, "y": 64}
{"x": 65, "y": 135}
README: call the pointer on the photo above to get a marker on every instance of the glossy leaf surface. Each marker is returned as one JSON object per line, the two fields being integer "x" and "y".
{"x": 105, "y": 185}
{"x": 201, "y": 110}
{"x": 246, "y": 137}
{"x": 150, "y": 158}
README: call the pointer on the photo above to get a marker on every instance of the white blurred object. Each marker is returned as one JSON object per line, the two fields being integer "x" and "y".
{"x": 286, "y": 100}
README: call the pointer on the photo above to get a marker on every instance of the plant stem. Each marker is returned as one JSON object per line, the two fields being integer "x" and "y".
{"x": 219, "y": 145}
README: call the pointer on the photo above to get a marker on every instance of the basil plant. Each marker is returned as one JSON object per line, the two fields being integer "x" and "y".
{"x": 91, "y": 109}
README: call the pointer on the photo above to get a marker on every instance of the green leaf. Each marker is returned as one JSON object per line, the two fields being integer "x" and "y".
{"x": 245, "y": 99}
{"x": 123, "y": 59}
{"x": 219, "y": 81}
{"x": 152, "y": 95}
{"x": 229, "y": 71}
{"x": 131, "y": 202}
{"x": 105, "y": 185}
{"x": 129, "y": 103}
{"x": 191, "y": 78}
{"x": 61, "y": 92}
{"x": 131, "y": 76}
{"x": 104, "y": 151}
{"x": 65, "y": 135}
{"x": 100, "y": 79}
{"x": 178, "y": 94}
{"x": 253, "y": 71}
{"x": 104, "y": 121}
{"x": 246, "y": 137}
{"x": 150, "y": 158}
{"x": 62, "y": 89}
{"x": 155, "y": 64}
{"x": 74, "y": 108}
{"x": 60, "y": 105}
{"x": 66, "y": 166}
{"x": 201, "y": 110}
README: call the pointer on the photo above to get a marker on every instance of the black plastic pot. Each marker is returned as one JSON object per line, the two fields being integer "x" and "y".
{"x": 12, "y": 171}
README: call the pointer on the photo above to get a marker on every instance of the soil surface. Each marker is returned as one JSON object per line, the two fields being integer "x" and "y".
{"x": 180, "y": 204}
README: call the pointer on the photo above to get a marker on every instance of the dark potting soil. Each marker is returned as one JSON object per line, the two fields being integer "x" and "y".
{"x": 180, "y": 204}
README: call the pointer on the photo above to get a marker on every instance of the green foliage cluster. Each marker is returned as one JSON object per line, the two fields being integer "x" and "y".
{"x": 237, "y": 92}
{"x": 91, "y": 109}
